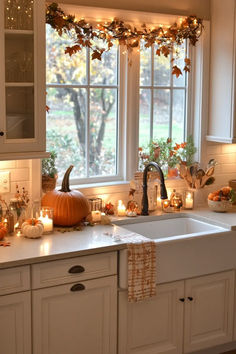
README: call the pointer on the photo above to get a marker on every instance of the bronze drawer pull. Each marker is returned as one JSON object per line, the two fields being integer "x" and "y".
{"x": 77, "y": 287}
{"x": 76, "y": 269}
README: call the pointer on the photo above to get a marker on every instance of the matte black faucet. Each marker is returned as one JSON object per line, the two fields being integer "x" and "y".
{"x": 162, "y": 186}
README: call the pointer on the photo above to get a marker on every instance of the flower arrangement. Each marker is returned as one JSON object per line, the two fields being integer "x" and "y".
{"x": 167, "y": 154}
{"x": 22, "y": 200}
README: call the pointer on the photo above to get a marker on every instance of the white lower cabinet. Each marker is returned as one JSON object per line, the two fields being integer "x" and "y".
{"x": 209, "y": 308}
{"x": 78, "y": 318}
{"x": 152, "y": 326}
{"x": 15, "y": 323}
{"x": 197, "y": 312}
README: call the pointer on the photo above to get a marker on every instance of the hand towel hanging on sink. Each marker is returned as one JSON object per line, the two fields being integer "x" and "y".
{"x": 141, "y": 270}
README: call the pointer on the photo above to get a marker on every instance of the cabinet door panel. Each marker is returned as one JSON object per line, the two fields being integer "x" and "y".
{"x": 22, "y": 78}
{"x": 15, "y": 324}
{"x": 76, "y": 322}
{"x": 152, "y": 326}
{"x": 209, "y": 311}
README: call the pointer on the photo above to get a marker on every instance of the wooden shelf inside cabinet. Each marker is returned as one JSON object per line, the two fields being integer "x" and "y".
{"x": 19, "y": 84}
{"x": 11, "y": 32}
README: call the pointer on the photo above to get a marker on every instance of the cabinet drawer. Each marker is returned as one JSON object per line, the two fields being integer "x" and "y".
{"x": 73, "y": 269}
{"x": 15, "y": 279}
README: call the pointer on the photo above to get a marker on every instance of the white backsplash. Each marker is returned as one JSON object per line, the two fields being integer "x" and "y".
{"x": 22, "y": 172}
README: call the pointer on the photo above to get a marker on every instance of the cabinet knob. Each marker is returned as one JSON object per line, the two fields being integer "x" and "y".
{"x": 77, "y": 287}
{"x": 76, "y": 269}
{"x": 182, "y": 299}
{"x": 1, "y": 133}
{"x": 190, "y": 298}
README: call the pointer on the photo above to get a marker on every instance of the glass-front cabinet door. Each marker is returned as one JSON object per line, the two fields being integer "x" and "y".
{"x": 22, "y": 76}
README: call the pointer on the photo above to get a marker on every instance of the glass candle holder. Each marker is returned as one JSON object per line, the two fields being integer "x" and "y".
{"x": 188, "y": 199}
{"x": 46, "y": 216}
{"x": 96, "y": 216}
{"x": 165, "y": 203}
{"x": 95, "y": 204}
{"x": 177, "y": 202}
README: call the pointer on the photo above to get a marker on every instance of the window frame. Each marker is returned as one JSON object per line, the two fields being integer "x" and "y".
{"x": 128, "y": 106}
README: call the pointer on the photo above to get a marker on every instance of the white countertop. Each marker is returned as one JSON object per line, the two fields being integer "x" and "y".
{"x": 90, "y": 240}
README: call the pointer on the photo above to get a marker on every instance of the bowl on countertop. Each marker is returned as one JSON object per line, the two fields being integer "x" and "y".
{"x": 220, "y": 206}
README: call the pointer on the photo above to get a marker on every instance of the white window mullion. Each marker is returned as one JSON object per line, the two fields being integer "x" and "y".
{"x": 131, "y": 131}
{"x": 152, "y": 93}
{"x": 87, "y": 157}
{"x": 171, "y": 101}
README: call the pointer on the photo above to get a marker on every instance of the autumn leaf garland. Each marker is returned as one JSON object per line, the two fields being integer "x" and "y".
{"x": 166, "y": 38}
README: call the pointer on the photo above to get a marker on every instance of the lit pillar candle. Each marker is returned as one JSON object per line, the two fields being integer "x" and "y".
{"x": 188, "y": 200}
{"x": 121, "y": 210}
{"x": 47, "y": 222}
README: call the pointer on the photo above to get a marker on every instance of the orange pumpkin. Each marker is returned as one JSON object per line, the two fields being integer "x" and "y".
{"x": 3, "y": 231}
{"x": 69, "y": 206}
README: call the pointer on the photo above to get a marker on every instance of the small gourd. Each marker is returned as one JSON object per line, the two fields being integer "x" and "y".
{"x": 3, "y": 231}
{"x": 32, "y": 228}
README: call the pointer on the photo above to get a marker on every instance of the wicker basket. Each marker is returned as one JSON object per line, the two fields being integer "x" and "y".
{"x": 48, "y": 183}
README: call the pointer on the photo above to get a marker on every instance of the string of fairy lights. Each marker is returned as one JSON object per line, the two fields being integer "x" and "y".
{"x": 166, "y": 38}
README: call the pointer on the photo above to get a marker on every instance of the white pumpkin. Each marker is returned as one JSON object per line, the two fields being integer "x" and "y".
{"x": 32, "y": 228}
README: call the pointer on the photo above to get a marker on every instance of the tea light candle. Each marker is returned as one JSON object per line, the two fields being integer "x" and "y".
{"x": 165, "y": 203}
{"x": 96, "y": 215}
{"x": 188, "y": 200}
{"x": 121, "y": 210}
{"x": 46, "y": 220}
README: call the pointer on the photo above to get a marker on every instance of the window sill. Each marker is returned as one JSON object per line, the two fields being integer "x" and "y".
{"x": 102, "y": 187}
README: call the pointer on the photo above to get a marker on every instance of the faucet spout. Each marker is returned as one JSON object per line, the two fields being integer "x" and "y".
{"x": 162, "y": 186}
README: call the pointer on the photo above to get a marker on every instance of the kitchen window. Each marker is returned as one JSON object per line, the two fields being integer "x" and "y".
{"x": 100, "y": 112}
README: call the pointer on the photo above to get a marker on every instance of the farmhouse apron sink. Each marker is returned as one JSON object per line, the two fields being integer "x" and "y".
{"x": 186, "y": 246}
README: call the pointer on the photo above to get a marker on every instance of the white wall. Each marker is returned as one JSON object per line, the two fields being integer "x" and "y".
{"x": 201, "y": 8}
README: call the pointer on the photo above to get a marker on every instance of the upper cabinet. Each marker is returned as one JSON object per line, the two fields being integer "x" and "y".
{"x": 222, "y": 111}
{"x": 22, "y": 78}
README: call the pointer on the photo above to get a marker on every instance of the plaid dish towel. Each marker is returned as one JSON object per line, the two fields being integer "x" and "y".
{"x": 141, "y": 270}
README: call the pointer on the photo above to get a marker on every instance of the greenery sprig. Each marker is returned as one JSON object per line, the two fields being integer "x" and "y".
{"x": 166, "y": 38}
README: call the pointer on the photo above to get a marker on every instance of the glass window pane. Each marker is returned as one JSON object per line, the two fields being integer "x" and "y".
{"x": 145, "y": 66}
{"x": 104, "y": 72}
{"x": 66, "y": 128}
{"x": 60, "y": 67}
{"x": 161, "y": 70}
{"x": 178, "y": 115}
{"x": 181, "y": 50}
{"x": 161, "y": 113}
{"x": 20, "y": 112}
{"x": 144, "y": 116}
{"x": 103, "y": 132}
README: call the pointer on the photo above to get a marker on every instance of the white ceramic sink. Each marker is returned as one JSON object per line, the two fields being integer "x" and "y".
{"x": 172, "y": 228}
{"x": 186, "y": 246}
